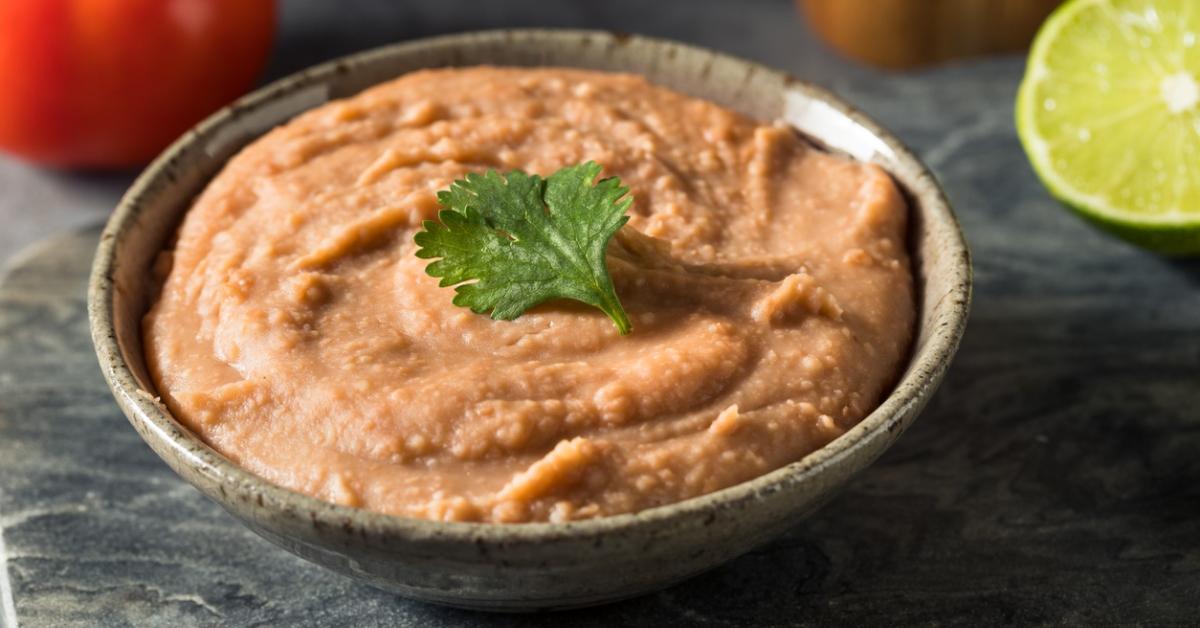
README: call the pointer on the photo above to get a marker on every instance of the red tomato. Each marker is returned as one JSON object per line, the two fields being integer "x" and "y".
{"x": 110, "y": 83}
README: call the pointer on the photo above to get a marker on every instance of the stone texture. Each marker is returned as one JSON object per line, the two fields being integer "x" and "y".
{"x": 1053, "y": 480}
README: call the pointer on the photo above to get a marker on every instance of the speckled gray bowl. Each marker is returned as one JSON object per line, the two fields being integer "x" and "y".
{"x": 527, "y": 566}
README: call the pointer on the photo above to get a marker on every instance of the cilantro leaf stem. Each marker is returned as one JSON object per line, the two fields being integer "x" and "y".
{"x": 509, "y": 242}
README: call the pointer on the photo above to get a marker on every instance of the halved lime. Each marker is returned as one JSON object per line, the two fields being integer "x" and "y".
{"x": 1109, "y": 114}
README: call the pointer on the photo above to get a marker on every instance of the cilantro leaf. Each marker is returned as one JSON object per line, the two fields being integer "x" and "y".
{"x": 521, "y": 240}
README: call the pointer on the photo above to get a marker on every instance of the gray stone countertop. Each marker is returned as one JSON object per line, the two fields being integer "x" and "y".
{"x": 1054, "y": 479}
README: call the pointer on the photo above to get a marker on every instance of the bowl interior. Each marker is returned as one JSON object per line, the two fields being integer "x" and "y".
{"x": 147, "y": 217}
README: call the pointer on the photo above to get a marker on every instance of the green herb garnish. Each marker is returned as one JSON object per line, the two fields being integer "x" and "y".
{"x": 525, "y": 240}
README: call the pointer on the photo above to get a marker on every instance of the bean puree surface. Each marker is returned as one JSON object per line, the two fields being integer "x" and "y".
{"x": 297, "y": 333}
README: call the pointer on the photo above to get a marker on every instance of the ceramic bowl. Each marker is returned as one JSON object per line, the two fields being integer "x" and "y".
{"x": 539, "y": 565}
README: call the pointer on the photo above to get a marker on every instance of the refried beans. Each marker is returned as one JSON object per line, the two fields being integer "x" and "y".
{"x": 297, "y": 333}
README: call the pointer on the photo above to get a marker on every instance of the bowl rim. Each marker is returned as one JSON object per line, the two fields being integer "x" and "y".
{"x": 924, "y": 369}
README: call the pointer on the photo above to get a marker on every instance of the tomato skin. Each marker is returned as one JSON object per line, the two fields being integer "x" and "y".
{"x": 110, "y": 83}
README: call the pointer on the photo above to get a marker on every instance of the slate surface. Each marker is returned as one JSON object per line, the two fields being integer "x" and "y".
{"x": 1055, "y": 478}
